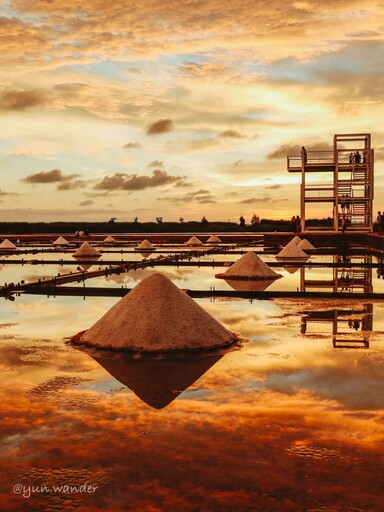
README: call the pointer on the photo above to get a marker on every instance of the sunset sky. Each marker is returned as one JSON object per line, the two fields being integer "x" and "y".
{"x": 179, "y": 108}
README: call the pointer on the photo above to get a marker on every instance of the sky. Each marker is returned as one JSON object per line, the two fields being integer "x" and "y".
{"x": 179, "y": 108}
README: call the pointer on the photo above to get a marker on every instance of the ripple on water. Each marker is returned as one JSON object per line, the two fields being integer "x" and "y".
{"x": 310, "y": 450}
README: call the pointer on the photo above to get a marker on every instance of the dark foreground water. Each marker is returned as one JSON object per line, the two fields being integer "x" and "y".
{"x": 291, "y": 421}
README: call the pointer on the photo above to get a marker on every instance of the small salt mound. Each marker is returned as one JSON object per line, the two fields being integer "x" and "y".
{"x": 157, "y": 316}
{"x": 86, "y": 250}
{"x": 109, "y": 239}
{"x": 250, "y": 285}
{"x": 146, "y": 245}
{"x": 61, "y": 241}
{"x": 194, "y": 241}
{"x": 7, "y": 245}
{"x": 296, "y": 240}
{"x": 249, "y": 266}
{"x": 292, "y": 251}
{"x": 214, "y": 239}
{"x": 306, "y": 245}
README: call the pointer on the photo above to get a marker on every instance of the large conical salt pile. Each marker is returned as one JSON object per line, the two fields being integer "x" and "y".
{"x": 194, "y": 241}
{"x": 296, "y": 240}
{"x": 249, "y": 266}
{"x": 306, "y": 245}
{"x": 109, "y": 239}
{"x": 145, "y": 245}
{"x": 86, "y": 250}
{"x": 292, "y": 251}
{"x": 214, "y": 239}
{"x": 7, "y": 245}
{"x": 157, "y": 316}
{"x": 61, "y": 241}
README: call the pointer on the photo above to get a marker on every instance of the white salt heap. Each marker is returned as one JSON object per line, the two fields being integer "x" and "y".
{"x": 61, "y": 241}
{"x": 214, "y": 239}
{"x": 109, "y": 239}
{"x": 249, "y": 266}
{"x": 86, "y": 250}
{"x": 292, "y": 251}
{"x": 306, "y": 245}
{"x": 296, "y": 240}
{"x": 145, "y": 244}
{"x": 157, "y": 316}
{"x": 194, "y": 241}
{"x": 7, "y": 245}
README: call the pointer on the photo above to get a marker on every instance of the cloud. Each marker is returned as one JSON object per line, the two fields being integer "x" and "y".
{"x": 66, "y": 182}
{"x": 231, "y": 134}
{"x": 132, "y": 145}
{"x": 291, "y": 149}
{"x": 3, "y": 193}
{"x": 253, "y": 200}
{"x": 273, "y": 187}
{"x": 201, "y": 196}
{"x": 52, "y": 176}
{"x": 156, "y": 163}
{"x": 122, "y": 181}
{"x": 20, "y": 100}
{"x": 160, "y": 126}
{"x": 87, "y": 202}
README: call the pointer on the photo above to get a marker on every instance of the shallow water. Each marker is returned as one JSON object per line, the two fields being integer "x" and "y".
{"x": 292, "y": 420}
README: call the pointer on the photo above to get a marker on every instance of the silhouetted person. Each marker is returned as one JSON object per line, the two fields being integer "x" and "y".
{"x": 303, "y": 155}
{"x": 242, "y": 221}
{"x": 297, "y": 224}
{"x": 357, "y": 157}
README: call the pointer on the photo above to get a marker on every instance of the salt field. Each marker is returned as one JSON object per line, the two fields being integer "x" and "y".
{"x": 289, "y": 418}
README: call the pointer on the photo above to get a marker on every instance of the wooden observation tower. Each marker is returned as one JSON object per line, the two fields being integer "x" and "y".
{"x": 339, "y": 178}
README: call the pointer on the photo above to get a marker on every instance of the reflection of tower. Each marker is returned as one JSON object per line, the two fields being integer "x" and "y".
{"x": 343, "y": 277}
{"x": 157, "y": 381}
{"x": 348, "y": 327}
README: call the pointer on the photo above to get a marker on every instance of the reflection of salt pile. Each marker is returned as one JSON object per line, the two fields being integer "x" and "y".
{"x": 157, "y": 316}
{"x": 193, "y": 241}
{"x": 109, "y": 240}
{"x": 249, "y": 266}
{"x": 86, "y": 266}
{"x": 250, "y": 285}
{"x": 291, "y": 252}
{"x": 61, "y": 241}
{"x": 306, "y": 245}
{"x": 86, "y": 250}
{"x": 214, "y": 239}
{"x": 296, "y": 240}
{"x": 145, "y": 245}
{"x": 157, "y": 381}
{"x": 291, "y": 270}
{"x": 7, "y": 245}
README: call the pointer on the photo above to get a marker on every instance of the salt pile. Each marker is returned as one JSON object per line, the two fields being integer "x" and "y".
{"x": 296, "y": 240}
{"x": 109, "y": 239}
{"x": 194, "y": 241}
{"x": 145, "y": 245}
{"x": 157, "y": 316}
{"x": 86, "y": 250}
{"x": 292, "y": 251}
{"x": 61, "y": 241}
{"x": 249, "y": 266}
{"x": 214, "y": 239}
{"x": 7, "y": 245}
{"x": 306, "y": 245}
